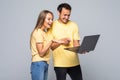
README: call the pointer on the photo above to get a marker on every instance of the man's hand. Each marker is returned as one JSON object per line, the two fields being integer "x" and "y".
{"x": 65, "y": 41}
{"x": 84, "y": 52}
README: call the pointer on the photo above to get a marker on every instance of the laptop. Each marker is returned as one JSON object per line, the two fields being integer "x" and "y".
{"x": 88, "y": 44}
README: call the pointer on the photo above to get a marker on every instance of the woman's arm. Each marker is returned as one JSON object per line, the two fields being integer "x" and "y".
{"x": 43, "y": 49}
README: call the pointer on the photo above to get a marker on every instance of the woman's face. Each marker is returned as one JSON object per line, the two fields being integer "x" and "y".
{"x": 48, "y": 20}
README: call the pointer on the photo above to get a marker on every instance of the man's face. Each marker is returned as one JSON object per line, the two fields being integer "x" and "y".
{"x": 64, "y": 15}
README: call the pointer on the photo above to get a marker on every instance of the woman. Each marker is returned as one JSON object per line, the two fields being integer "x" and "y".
{"x": 40, "y": 46}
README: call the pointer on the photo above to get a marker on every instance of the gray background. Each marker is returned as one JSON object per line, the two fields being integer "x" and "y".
{"x": 18, "y": 18}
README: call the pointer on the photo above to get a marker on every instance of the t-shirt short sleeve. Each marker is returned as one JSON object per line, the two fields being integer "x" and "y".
{"x": 76, "y": 33}
{"x": 39, "y": 36}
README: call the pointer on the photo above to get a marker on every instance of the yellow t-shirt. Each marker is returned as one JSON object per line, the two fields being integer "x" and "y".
{"x": 39, "y": 36}
{"x": 61, "y": 57}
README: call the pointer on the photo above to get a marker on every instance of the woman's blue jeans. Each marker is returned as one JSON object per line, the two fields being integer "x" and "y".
{"x": 39, "y": 70}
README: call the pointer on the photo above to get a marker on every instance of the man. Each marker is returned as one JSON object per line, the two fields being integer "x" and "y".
{"x": 63, "y": 29}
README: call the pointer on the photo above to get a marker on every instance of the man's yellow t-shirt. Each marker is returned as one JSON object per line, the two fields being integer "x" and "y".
{"x": 39, "y": 36}
{"x": 62, "y": 57}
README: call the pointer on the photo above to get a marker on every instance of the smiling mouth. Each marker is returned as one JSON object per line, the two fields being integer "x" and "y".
{"x": 49, "y": 24}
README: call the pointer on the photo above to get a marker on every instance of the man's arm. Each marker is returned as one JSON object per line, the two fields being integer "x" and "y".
{"x": 76, "y": 43}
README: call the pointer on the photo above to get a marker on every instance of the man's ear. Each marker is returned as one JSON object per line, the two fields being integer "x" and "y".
{"x": 58, "y": 13}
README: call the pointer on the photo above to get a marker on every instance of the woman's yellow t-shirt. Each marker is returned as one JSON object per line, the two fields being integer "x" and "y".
{"x": 39, "y": 36}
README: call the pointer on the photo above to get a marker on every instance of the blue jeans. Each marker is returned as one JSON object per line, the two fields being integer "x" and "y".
{"x": 39, "y": 70}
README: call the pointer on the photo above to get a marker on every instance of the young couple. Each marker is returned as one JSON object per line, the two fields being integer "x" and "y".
{"x": 56, "y": 36}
